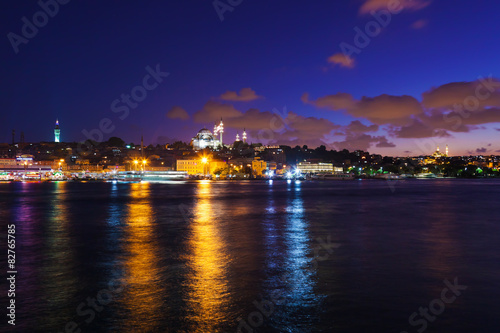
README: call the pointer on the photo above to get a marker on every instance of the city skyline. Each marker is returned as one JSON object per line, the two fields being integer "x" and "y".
{"x": 375, "y": 78}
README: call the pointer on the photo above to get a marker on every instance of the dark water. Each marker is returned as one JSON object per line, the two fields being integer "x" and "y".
{"x": 353, "y": 256}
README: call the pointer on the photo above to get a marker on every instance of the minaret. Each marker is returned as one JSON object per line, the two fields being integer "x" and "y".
{"x": 244, "y": 136}
{"x": 437, "y": 148}
{"x": 237, "y": 137}
{"x": 221, "y": 130}
{"x": 447, "y": 150}
{"x": 142, "y": 146}
{"x": 57, "y": 132}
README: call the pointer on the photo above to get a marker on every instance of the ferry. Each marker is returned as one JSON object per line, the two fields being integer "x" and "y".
{"x": 425, "y": 176}
{"x": 333, "y": 176}
{"x": 163, "y": 176}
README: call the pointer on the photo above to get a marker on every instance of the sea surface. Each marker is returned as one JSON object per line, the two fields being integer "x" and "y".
{"x": 254, "y": 256}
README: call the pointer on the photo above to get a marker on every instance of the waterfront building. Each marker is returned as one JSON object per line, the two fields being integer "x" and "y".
{"x": 259, "y": 167}
{"x": 57, "y": 132}
{"x": 307, "y": 167}
{"x": 200, "y": 166}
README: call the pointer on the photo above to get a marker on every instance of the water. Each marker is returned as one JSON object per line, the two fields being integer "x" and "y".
{"x": 338, "y": 256}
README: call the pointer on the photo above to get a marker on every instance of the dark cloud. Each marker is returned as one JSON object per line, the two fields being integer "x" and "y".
{"x": 177, "y": 113}
{"x": 245, "y": 95}
{"x": 375, "y": 5}
{"x": 362, "y": 142}
{"x": 453, "y": 107}
{"x": 481, "y": 150}
{"x": 358, "y": 127}
{"x": 340, "y": 101}
{"x": 472, "y": 95}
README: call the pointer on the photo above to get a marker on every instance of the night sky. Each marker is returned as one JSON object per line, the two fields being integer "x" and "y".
{"x": 290, "y": 72}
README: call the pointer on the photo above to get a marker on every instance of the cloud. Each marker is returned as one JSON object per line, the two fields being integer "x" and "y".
{"x": 387, "y": 109}
{"x": 481, "y": 150}
{"x": 362, "y": 142}
{"x": 420, "y": 24}
{"x": 358, "y": 127}
{"x": 375, "y": 5}
{"x": 177, "y": 113}
{"x": 340, "y": 101}
{"x": 380, "y": 110}
{"x": 472, "y": 95}
{"x": 342, "y": 60}
{"x": 245, "y": 95}
{"x": 452, "y": 107}
{"x": 212, "y": 111}
{"x": 417, "y": 129}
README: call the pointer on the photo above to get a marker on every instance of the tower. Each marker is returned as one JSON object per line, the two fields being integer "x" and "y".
{"x": 237, "y": 137}
{"x": 447, "y": 150}
{"x": 221, "y": 130}
{"x": 244, "y": 136}
{"x": 57, "y": 132}
{"x": 142, "y": 146}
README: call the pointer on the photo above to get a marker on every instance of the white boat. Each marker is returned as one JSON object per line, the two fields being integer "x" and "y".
{"x": 162, "y": 176}
{"x": 426, "y": 176}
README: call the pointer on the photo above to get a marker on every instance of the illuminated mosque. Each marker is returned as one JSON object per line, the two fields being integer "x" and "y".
{"x": 438, "y": 153}
{"x": 206, "y": 139}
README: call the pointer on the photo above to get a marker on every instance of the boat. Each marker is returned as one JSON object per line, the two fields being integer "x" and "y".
{"x": 163, "y": 176}
{"x": 333, "y": 176}
{"x": 427, "y": 175}
{"x": 388, "y": 176}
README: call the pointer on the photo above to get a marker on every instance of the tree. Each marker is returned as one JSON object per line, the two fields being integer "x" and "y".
{"x": 115, "y": 142}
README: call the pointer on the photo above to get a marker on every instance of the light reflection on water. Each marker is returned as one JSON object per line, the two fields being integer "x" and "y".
{"x": 207, "y": 286}
{"x": 142, "y": 286}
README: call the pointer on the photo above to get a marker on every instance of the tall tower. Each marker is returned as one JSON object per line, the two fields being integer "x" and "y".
{"x": 57, "y": 132}
{"x": 244, "y": 136}
{"x": 447, "y": 150}
{"x": 221, "y": 130}
{"x": 237, "y": 137}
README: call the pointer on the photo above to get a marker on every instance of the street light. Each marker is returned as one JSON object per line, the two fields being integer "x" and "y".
{"x": 135, "y": 162}
{"x": 204, "y": 160}
{"x": 144, "y": 165}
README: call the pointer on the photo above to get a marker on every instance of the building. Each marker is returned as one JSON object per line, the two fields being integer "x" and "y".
{"x": 57, "y": 132}
{"x": 200, "y": 166}
{"x": 205, "y": 139}
{"x": 307, "y": 167}
{"x": 438, "y": 153}
{"x": 259, "y": 167}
